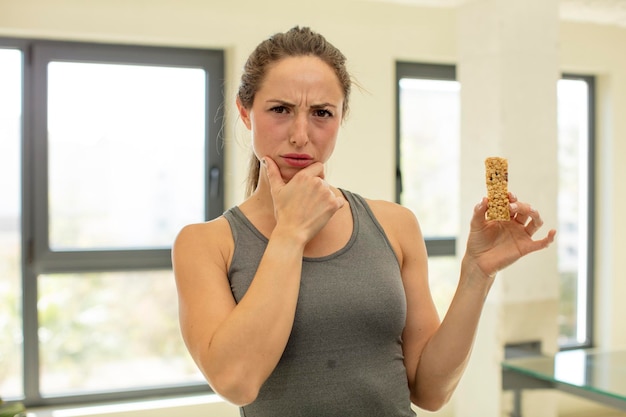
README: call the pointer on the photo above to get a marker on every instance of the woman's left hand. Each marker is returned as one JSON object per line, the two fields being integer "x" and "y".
{"x": 494, "y": 245}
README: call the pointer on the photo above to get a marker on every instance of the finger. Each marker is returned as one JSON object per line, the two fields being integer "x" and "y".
{"x": 543, "y": 243}
{"x": 526, "y": 215}
{"x": 520, "y": 211}
{"x": 316, "y": 169}
{"x": 521, "y": 218}
{"x": 325, "y": 184}
{"x": 273, "y": 173}
{"x": 480, "y": 211}
{"x": 535, "y": 221}
{"x": 337, "y": 197}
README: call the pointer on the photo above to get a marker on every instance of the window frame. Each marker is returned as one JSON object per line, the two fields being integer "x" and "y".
{"x": 447, "y": 246}
{"x": 436, "y": 246}
{"x": 590, "y": 80}
{"x": 37, "y": 257}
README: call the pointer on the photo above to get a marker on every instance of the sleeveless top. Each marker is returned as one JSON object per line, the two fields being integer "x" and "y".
{"x": 344, "y": 355}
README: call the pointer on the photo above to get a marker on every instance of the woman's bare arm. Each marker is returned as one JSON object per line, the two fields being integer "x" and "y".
{"x": 436, "y": 355}
{"x": 237, "y": 346}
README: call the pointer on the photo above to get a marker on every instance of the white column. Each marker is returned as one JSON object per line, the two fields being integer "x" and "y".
{"x": 508, "y": 68}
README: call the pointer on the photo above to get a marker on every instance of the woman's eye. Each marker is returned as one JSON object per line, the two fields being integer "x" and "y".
{"x": 323, "y": 113}
{"x": 279, "y": 109}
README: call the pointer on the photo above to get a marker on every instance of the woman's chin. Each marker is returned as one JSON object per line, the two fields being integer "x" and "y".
{"x": 288, "y": 173}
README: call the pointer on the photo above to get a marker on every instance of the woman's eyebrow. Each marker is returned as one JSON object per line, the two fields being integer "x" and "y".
{"x": 278, "y": 101}
{"x": 323, "y": 105}
{"x": 273, "y": 103}
{"x": 289, "y": 104}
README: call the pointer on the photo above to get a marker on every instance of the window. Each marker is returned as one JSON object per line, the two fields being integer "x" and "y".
{"x": 575, "y": 208}
{"x": 428, "y": 165}
{"x": 428, "y": 135}
{"x": 119, "y": 149}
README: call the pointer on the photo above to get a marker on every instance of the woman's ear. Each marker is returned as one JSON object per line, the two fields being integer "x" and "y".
{"x": 244, "y": 114}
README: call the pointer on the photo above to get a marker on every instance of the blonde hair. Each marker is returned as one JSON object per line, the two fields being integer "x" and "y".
{"x": 295, "y": 42}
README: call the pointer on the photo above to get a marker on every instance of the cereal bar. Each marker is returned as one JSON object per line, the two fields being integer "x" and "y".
{"x": 497, "y": 178}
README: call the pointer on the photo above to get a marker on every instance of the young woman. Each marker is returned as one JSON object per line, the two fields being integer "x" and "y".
{"x": 309, "y": 300}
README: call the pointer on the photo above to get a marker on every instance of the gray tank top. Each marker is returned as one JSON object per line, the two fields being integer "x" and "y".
{"x": 344, "y": 355}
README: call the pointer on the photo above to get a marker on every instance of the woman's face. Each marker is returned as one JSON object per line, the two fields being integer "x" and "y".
{"x": 296, "y": 114}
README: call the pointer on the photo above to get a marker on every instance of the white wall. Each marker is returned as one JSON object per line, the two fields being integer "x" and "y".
{"x": 374, "y": 37}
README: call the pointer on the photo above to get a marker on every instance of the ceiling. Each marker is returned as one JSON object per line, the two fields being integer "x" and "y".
{"x": 606, "y": 12}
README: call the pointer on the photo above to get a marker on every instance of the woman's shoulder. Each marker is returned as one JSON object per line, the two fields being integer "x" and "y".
{"x": 202, "y": 239}
{"x": 205, "y": 231}
{"x": 400, "y": 225}
{"x": 397, "y": 220}
{"x": 388, "y": 210}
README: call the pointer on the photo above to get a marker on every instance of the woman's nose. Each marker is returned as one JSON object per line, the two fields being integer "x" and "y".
{"x": 299, "y": 131}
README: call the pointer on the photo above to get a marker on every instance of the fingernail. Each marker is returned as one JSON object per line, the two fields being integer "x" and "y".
{"x": 513, "y": 206}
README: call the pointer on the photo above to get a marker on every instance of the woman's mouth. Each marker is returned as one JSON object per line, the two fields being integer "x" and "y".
{"x": 297, "y": 160}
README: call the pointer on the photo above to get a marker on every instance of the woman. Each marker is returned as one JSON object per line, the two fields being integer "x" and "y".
{"x": 308, "y": 300}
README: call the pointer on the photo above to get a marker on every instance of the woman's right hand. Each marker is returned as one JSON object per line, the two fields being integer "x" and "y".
{"x": 305, "y": 203}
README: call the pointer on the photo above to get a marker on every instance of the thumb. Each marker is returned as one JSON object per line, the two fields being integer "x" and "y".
{"x": 273, "y": 173}
{"x": 480, "y": 210}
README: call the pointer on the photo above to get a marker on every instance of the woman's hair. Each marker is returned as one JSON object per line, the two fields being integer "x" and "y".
{"x": 295, "y": 42}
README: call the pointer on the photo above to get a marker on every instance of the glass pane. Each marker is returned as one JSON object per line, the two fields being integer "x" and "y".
{"x": 126, "y": 154}
{"x": 110, "y": 331}
{"x": 572, "y": 209}
{"x": 10, "y": 229}
{"x": 429, "y": 151}
{"x": 443, "y": 275}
